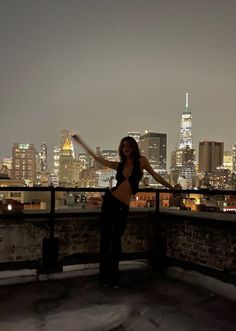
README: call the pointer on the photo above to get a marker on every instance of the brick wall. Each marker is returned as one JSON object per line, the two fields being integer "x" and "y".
{"x": 201, "y": 241}
{"x": 21, "y": 240}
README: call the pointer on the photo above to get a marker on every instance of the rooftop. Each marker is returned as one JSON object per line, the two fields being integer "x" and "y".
{"x": 148, "y": 300}
{"x": 195, "y": 291}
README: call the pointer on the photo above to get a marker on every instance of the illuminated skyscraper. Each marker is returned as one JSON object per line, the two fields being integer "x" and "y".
{"x": 24, "y": 162}
{"x": 66, "y": 165}
{"x": 64, "y": 135}
{"x": 234, "y": 166}
{"x": 228, "y": 160}
{"x": 153, "y": 146}
{"x": 234, "y": 157}
{"x": 43, "y": 157}
{"x": 55, "y": 170}
{"x": 186, "y": 127}
{"x": 182, "y": 159}
{"x": 65, "y": 139}
{"x": 84, "y": 160}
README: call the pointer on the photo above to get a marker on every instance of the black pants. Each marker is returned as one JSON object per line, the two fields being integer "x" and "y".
{"x": 113, "y": 223}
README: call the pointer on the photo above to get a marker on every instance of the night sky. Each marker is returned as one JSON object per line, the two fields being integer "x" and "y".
{"x": 108, "y": 67}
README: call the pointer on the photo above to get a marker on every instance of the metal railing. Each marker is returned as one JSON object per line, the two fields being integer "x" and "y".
{"x": 52, "y": 190}
{"x": 51, "y": 244}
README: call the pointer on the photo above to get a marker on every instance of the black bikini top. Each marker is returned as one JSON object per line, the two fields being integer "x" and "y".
{"x": 133, "y": 179}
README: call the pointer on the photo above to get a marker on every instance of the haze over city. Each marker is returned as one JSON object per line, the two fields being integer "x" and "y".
{"x": 104, "y": 68}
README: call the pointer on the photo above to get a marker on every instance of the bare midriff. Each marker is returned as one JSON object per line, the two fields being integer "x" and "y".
{"x": 123, "y": 192}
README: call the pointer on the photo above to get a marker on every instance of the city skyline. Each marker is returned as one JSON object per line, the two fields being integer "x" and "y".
{"x": 109, "y": 67}
{"x": 77, "y": 150}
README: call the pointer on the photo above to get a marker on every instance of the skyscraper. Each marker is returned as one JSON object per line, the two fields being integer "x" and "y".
{"x": 65, "y": 139}
{"x": 210, "y": 156}
{"x": 64, "y": 135}
{"x": 228, "y": 160}
{"x": 234, "y": 166}
{"x": 186, "y": 127}
{"x": 55, "y": 170}
{"x": 182, "y": 159}
{"x": 43, "y": 157}
{"x": 234, "y": 157}
{"x": 24, "y": 162}
{"x": 153, "y": 146}
{"x": 66, "y": 165}
{"x": 84, "y": 160}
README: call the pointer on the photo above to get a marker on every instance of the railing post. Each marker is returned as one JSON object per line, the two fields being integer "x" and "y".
{"x": 157, "y": 202}
{"x": 50, "y": 249}
{"x": 52, "y": 212}
{"x": 159, "y": 258}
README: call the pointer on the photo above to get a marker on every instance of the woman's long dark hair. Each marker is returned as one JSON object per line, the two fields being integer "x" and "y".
{"x": 136, "y": 152}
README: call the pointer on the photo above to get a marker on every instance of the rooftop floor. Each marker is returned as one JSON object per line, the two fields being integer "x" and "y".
{"x": 147, "y": 300}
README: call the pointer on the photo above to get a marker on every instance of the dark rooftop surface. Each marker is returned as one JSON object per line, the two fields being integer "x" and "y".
{"x": 146, "y": 301}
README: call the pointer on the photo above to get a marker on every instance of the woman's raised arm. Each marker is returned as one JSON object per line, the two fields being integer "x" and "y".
{"x": 106, "y": 163}
{"x": 146, "y": 165}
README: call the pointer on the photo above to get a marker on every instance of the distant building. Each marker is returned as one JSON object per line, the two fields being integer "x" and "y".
{"x": 11, "y": 200}
{"x": 110, "y": 154}
{"x": 66, "y": 165}
{"x": 55, "y": 166}
{"x": 234, "y": 157}
{"x": 153, "y": 146}
{"x": 106, "y": 177}
{"x": 182, "y": 169}
{"x": 134, "y": 134}
{"x": 6, "y": 166}
{"x": 186, "y": 126}
{"x": 84, "y": 160}
{"x": 65, "y": 137}
{"x": 43, "y": 157}
{"x": 221, "y": 178}
{"x": 228, "y": 160}
{"x": 88, "y": 178}
{"x": 24, "y": 163}
{"x": 211, "y": 155}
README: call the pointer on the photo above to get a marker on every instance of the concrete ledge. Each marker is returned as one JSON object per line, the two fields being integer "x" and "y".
{"x": 26, "y": 276}
{"x": 224, "y": 217}
{"x": 196, "y": 278}
{"x": 187, "y": 276}
{"x": 17, "y": 277}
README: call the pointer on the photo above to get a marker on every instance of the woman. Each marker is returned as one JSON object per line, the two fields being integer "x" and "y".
{"x": 116, "y": 202}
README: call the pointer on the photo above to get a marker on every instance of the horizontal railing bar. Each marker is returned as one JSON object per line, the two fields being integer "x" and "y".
{"x": 98, "y": 189}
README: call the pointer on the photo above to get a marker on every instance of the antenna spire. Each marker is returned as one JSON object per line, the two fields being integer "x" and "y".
{"x": 186, "y": 101}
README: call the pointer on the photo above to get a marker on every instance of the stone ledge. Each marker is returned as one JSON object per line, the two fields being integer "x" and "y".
{"x": 200, "y": 214}
{"x": 196, "y": 278}
{"x": 27, "y": 276}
